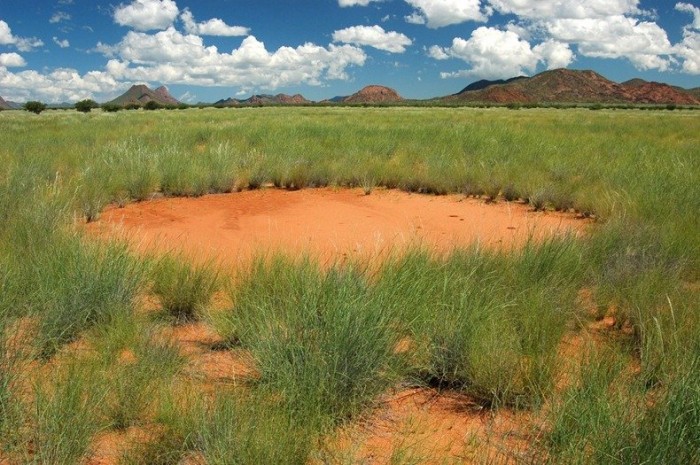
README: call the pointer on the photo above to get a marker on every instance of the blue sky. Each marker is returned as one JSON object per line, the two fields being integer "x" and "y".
{"x": 66, "y": 50}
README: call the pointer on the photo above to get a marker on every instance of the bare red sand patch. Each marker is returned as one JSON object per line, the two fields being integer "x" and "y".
{"x": 197, "y": 341}
{"x": 424, "y": 426}
{"x": 329, "y": 223}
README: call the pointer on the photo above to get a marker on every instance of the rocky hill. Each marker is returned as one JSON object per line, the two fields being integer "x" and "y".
{"x": 4, "y": 105}
{"x": 656, "y": 92}
{"x": 142, "y": 94}
{"x": 573, "y": 86}
{"x": 265, "y": 99}
{"x": 484, "y": 83}
{"x": 374, "y": 94}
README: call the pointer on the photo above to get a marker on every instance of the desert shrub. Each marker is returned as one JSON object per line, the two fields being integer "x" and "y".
{"x": 34, "y": 106}
{"x": 596, "y": 419}
{"x": 86, "y": 106}
{"x": 670, "y": 432}
{"x": 152, "y": 105}
{"x": 184, "y": 289}
{"x": 131, "y": 386}
{"x": 10, "y": 405}
{"x": 111, "y": 107}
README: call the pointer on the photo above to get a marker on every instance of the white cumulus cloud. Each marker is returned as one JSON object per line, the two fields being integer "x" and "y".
{"x": 6, "y": 36}
{"x": 9, "y": 60}
{"x": 62, "y": 84}
{"x": 645, "y": 44}
{"x": 61, "y": 43}
{"x": 693, "y": 10}
{"x": 145, "y": 15}
{"x": 493, "y": 54}
{"x": 373, "y": 36}
{"x": 574, "y": 9}
{"x": 212, "y": 27}
{"x": 554, "y": 54}
{"x": 59, "y": 16}
{"x": 175, "y": 58}
{"x": 23, "y": 44}
{"x": 439, "y": 13}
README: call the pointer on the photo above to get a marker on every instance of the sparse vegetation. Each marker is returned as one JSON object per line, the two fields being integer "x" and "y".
{"x": 81, "y": 354}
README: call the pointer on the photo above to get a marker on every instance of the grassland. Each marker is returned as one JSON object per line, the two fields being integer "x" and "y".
{"x": 81, "y": 356}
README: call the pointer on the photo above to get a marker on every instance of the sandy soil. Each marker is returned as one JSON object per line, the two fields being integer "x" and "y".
{"x": 420, "y": 425}
{"x": 331, "y": 224}
{"x": 408, "y": 426}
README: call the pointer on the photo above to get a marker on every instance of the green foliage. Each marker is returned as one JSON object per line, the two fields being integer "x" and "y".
{"x": 111, "y": 107}
{"x": 86, "y": 106}
{"x": 486, "y": 323}
{"x": 152, "y": 105}
{"x": 34, "y": 106}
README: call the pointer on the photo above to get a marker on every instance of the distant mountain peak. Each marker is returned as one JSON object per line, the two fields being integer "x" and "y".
{"x": 374, "y": 94}
{"x": 4, "y": 105}
{"x": 141, "y": 94}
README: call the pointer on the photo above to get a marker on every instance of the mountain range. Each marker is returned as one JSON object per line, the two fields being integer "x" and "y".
{"x": 549, "y": 87}
{"x": 264, "y": 99}
{"x": 571, "y": 86}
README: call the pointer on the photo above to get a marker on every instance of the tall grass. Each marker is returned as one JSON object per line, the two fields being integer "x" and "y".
{"x": 79, "y": 284}
{"x": 486, "y": 322}
{"x": 327, "y": 341}
{"x": 239, "y": 430}
{"x": 184, "y": 289}
{"x": 63, "y": 420}
{"x": 134, "y": 364}
{"x": 318, "y": 338}
{"x": 10, "y": 405}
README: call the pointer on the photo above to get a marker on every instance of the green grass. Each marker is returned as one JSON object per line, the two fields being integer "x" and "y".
{"x": 63, "y": 420}
{"x": 324, "y": 339}
{"x": 184, "y": 289}
{"x": 79, "y": 284}
{"x": 487, "y": 323}
{"x": 318, "y": 338}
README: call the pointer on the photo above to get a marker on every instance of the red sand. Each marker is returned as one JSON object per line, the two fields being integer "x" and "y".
{"x": 330, "y": 223}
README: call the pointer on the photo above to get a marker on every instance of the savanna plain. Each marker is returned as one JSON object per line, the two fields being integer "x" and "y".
{"x": 574, "y": 348}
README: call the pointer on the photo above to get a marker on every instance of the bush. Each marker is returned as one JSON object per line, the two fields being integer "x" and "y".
{"x": 35, "y": 107}
{"x": 152, "y": 105}
{"x": 86, "y": 106}
{"x": 111, "y": 107}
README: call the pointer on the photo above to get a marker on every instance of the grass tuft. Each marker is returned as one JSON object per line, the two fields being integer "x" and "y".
{"x": 183, "y": 288}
